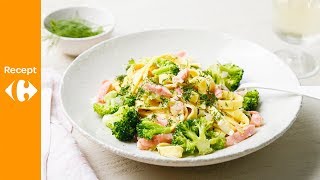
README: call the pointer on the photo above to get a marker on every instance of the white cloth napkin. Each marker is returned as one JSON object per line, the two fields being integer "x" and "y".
{"x": 60, "y": 155}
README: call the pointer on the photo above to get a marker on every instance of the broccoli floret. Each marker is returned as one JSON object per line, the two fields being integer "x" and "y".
{"x": 109, "y": 98}
{"x": 147, "y": 129}
{"x": 229, "y": 75}
{"x": 127, "y": 97}
{"x": 124, "y": 90}
{"x": 129, "y": 100}
{"x": 110, "y": 106}
{"x": 166, "y": 67}
{"x": 123, "y": 123}
{"x": 191, "y": 136}
{"x": 102, "y": 109}
{"x": 218, "y": 143}
{"x": 251, "y": 100}
{"x": 217, "y": 140}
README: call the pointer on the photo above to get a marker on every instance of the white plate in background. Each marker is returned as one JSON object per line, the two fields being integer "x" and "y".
{"x": 74, "y": 46}
{"x": 107, "y": 59}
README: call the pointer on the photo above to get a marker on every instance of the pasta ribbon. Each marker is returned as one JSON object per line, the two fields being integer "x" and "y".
{"x": 200, "y": 84}
{"x": 193, "y": 111}
{"x": 232, "y": 101}
{"x": 165, "y": 79}
{"x": 140, "y": 74}
{"x": 194, "y": 97}
{"x": 194, "y": 73}
{"x": 239, "y": 116}
{"x": 226, "y": 127}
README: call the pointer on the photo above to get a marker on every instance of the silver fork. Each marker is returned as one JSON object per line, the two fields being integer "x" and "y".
{"x": 309, "y": 91}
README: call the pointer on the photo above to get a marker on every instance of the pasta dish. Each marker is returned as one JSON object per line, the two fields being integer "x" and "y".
{"x": 168, "y": 103}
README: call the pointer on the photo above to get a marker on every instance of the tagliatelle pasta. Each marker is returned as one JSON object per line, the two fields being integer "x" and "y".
{"x": 157, "y": 96}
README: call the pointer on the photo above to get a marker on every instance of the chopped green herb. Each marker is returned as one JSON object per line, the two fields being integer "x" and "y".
{"x": 194, "y": 66}
{"x": 124, "y": 90}
{"x": 187, "y": 91}
{"x": 164, "y": 101}
{"x": 130, "y": 62}
{"x": 73, "y": 28}
{"x": 205, "y": 73}
{"x": 121, "y": 78}
{"x": 140, "y": 92}
{"x": 209, "y": 99}
{"x": 153, "y": 116}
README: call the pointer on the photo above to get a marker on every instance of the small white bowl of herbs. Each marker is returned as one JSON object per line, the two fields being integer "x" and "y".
{"x": 76, "y": 29}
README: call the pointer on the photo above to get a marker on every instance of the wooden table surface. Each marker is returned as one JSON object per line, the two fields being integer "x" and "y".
{"x": 296, "y": 155}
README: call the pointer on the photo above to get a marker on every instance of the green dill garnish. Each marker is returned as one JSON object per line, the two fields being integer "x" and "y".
{"x": 217, "y": 115}
{"x": 140, "y": 92}
{"x": 124, "y": 90}
{"x": 164, "y": 101}
{"x": 195, "y": 67}
{"x": 209, "y": 99}
{"x": 120, "y": 78}
{"x": 187, "y": 91}
{"x": 170, "y": 121}
{"x": 205, "y": 73}
{"x": 153, "y": 116}
{"x": 130, "y": 62}
{"x": 73, "y": 28}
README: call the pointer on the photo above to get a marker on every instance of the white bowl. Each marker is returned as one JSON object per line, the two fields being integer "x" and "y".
{"x": 104, "y": 61}
{"x": 75, "y": 46}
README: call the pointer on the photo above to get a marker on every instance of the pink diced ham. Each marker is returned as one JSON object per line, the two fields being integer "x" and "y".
{"x": 218, "y": 93}
{"x": 256, "y": 118}
{"x": 181, "y": 76}
{"x": 181, "y": 54}
{"x": 158, "y": 89}
{"x": 103, "y": 90}
{"x": 253, "y": 112}
{"x": 177, "y": 108}
{"x": 145, "y": 144}
{"x": 179, "y": 91}
{"x": 238, "y": 137}
{"x": 162, "y": 121}
{"x": 163, "y": 138}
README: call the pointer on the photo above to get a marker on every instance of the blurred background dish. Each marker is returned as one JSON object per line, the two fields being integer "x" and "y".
{"x": 75, "y": 29}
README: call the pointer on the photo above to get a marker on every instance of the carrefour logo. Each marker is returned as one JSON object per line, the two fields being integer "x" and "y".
{"x": 21, "y": 90}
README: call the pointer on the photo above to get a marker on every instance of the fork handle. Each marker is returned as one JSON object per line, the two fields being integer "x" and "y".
{"x": 310, "y": 91}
